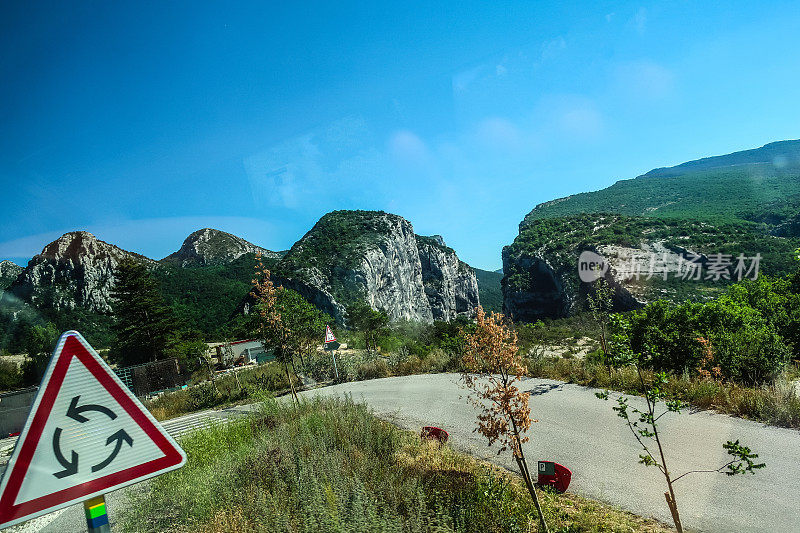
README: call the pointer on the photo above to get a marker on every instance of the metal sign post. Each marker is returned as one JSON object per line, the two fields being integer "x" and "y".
{"x": 96, "y": 515}
{"x": 335, "y": 369}
{"x": 331, "y": 345}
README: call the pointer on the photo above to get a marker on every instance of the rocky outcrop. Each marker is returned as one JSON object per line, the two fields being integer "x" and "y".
{"x": 214, "y": 247}
{"x": 8, "y": 273}
{"x": 75, "y": 270}
{"x": 450, "y": 285}
{"x": 535, "y": 288}
{"x": 640, "y": 259}
{"x": 376, "y": 257}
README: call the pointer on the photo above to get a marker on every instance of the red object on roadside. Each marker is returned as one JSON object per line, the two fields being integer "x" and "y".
{"x": 554, "y": 475}
{"x": 432, "y": 432}
{"x": 16, "y": 434}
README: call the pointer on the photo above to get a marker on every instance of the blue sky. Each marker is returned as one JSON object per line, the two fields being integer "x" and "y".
{"x": 143, "y": 121}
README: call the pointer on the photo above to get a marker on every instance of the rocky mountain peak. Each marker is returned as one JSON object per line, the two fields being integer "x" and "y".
{"x": 376, "y": 257}
{"x": 8, "y": 267}
{"x": 75, "y": 270}
{"x": 79, "y": 246}
{"x": 439, "y": 240}
{"x": 209, "y": 246}
{"x": 8, "y": 273}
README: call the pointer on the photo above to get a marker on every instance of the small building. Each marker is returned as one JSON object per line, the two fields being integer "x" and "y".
{"x": 244, "y": 352}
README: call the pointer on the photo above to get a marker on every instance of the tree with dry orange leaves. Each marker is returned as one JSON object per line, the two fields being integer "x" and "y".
{"x": 493, "y": 367}
{"x": 272, "y": 329}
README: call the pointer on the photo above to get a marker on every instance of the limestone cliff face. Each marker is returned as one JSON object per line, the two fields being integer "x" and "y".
{"x": 213, "y": 247}
{"x": 8, "y": 273}
{"x": 450, "y": 284}
{"x": 541, "y": 267}
{"x": 75, "y": 270}
{"x": 540, "y": 289}
{"x": 376, "y": 257}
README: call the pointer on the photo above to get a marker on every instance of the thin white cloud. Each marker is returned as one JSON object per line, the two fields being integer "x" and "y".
{"x": 406, "y": 146}
{"x": 639, "y": 21}
{"x": 314, "y": 167}
{"x": 465, "y": 78}
{"x": 644, "y": 80}
{"x": 498, "y": 133}
{"x": 552, "y": 49}
{"x": 581, "y": 122}
{"x": 569, "y": 118}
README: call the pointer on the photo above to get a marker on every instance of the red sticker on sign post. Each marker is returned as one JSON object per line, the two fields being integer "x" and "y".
{"x": 86, "y": 435}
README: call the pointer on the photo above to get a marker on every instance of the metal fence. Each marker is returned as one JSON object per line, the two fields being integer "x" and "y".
{"x": 152, "y": 377}
{"x": 14, "y": 408}
{"x": 140, "y": 379}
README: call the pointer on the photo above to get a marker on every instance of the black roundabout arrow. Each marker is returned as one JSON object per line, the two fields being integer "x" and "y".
{"x": 76, "y": 413}
{"x": 70, "y": 467}
{"x": 120, "y": 436}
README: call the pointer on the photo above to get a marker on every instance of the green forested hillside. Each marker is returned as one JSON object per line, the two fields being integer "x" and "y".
{"x": 206, "y": 297}
{"x": 742, "y": 203}
{"x": 489, "y": 290}
{"x": 756, "y": 193}
{"x": 761, "y": 185}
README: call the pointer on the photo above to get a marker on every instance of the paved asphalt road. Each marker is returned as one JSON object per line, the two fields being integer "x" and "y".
{"x": 584, "y": 434}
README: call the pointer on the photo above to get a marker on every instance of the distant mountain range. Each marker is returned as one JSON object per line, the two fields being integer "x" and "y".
{"x": 743, "y": 203}
{"x": 746, "y": 202}
{"x": 347, "y": 256}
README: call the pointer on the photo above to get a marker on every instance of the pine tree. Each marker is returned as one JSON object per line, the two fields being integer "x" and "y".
{"x": 145, "y": 326}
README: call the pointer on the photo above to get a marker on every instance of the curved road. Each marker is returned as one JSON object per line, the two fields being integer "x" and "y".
{"x": 582, "y": 432}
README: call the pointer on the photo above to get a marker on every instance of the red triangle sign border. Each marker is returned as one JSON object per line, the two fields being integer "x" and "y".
{"x": 72, "y": 345}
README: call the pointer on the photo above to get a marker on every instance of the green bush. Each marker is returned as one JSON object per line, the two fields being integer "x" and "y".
{"x": 10, "y": 375}
{"x": 752, "y": 329}
{"x": 376, "y": 368}
{"x": 245, "y": 384}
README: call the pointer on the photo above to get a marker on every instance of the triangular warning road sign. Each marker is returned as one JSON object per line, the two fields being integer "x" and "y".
{"x": 86, "y": 435}
{"x": 329, "y": 335}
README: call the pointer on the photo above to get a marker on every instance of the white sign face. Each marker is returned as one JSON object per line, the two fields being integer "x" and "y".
{"x": 329, "y": 335}
{"x": 87, "y": 434}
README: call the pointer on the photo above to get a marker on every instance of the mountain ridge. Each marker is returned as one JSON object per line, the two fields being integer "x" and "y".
{"x": 743, "y": 203}
{"x": 759, "y": 185}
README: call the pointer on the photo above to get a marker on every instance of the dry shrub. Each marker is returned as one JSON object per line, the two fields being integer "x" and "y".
{"x": 377, "y": 368}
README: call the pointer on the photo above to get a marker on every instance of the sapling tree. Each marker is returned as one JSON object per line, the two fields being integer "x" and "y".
{"x": 492, "y": 368}
{"x": 643, "y": 424}
{"x": 601, "y": 304}
{"x": 273, "y": 330}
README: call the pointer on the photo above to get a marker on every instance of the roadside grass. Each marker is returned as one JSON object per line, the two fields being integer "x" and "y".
{"x": 775, "y": 404}
{"x": 330, "y": 465}
{"x": 230, "y": 389}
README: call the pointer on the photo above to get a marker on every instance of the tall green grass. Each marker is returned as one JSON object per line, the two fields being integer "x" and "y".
{"x": 329, "y": 465}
